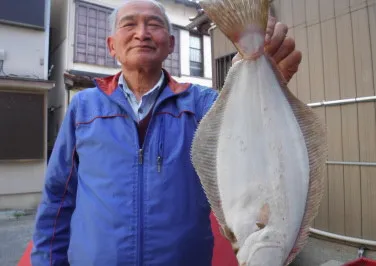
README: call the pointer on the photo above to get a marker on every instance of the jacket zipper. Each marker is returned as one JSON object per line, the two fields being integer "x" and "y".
{"x": 141, "y": 181}
{"x": 140, "y": 207}
{"x": 160, "y": 146}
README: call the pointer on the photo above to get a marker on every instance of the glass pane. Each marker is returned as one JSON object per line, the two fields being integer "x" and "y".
{"x": 91, "y": 59}
{"x": 102, "y": 24}
{"x": 175, "y": 56}
{"x": 82, "y": 10}
{"x": 92, "y": 32}
{"x": 92, "y": 13}
{"x": 175, "y": 64}
{"x": 195, "y": 71}
{"x": 195, "y": 55}
{"x": 82, "y": 20}
{"x": 81, "y": 29}
{"x": 194, "y": 42}
{"x": 102, "y": 15}
{"x": 100, "y": 60}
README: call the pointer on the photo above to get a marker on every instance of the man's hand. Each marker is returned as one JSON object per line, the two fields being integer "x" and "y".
{"x": 280, "y": 48}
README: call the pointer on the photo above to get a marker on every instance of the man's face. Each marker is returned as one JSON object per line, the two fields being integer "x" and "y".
{"x": 141, "y": 37}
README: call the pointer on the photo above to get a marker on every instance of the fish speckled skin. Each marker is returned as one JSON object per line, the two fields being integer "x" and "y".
{"x": 259, "y": 151}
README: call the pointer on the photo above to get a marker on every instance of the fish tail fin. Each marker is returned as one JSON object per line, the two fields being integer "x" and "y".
{"x": 242, "y": 21}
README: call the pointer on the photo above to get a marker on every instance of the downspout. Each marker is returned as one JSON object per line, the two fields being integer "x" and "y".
{"x": 47, "y": 13}
{"x": 343, "y": 101}
{"x": 353, "y": 240}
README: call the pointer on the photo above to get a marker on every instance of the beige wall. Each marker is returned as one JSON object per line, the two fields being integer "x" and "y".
{"x": 338, "y": 42}
{"x": 21, "y": 177}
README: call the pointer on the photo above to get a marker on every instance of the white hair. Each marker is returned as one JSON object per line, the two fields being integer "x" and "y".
{"x": 112, "y": 20}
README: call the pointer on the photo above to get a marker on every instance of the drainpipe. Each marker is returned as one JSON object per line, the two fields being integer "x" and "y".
{"x": 47, "y": 13}
{"x": 343, "y": 101}
{"x": 353, "y": 240}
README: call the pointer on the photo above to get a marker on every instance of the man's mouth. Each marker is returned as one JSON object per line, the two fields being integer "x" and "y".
{"x": 143, "y": 47}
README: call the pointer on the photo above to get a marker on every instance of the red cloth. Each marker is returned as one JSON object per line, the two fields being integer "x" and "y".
{"x": 222, "y": 254}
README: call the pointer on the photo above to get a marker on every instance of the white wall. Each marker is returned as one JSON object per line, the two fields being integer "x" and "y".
{"x": 184, "y": 52}
{"x": 179, "y": 14}
{"x": 24, "y": 51}
{"x": 207, "y": 57}
{"x": 195, "y": 80}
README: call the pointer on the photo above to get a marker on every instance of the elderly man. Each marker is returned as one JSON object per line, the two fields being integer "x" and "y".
{"x": 120, "y": 188}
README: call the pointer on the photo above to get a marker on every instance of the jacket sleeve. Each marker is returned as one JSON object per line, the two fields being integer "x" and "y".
{"x": 206, "y": 100}
{"x": 52, "y": 225}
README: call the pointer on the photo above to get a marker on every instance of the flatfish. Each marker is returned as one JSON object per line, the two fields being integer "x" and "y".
{"x": 259, "y": 151}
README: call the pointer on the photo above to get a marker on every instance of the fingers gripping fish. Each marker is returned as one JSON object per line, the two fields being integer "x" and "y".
{"x": 259, "y": 152}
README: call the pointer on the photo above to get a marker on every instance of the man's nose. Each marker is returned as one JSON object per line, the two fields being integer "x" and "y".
{"x": 142, "y": 32}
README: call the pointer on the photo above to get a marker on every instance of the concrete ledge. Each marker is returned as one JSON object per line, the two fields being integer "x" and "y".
{"x": 332, "y": 263}
{"x": 26, "y": 201}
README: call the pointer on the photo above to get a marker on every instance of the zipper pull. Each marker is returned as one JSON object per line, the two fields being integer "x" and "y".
{"x": 140, "y": 155}
{"x": 159, "y": 163}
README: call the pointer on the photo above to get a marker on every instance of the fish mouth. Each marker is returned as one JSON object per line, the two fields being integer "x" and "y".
{"x": 265, "y": 254}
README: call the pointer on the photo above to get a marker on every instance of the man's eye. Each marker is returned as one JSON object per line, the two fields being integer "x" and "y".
{"x": 154, "y": 24}
{"x": 127, "y": 25}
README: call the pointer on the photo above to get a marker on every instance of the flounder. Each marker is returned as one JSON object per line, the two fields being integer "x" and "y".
{"x": 260, "y": 152}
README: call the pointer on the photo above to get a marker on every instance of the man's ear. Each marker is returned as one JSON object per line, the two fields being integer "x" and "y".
{"x": 172, "y": 44}
{"x": 111, "y": 46}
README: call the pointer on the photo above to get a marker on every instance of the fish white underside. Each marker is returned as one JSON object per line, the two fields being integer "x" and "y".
{"x": 261, "y": 158}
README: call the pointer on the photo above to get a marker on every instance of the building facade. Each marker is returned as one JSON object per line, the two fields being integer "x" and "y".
{"x": 24, "y": 86}
{"x": 79, "y": 50}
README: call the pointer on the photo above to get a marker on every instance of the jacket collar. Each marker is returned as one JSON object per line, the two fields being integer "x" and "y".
{"x": 109, "y": 84}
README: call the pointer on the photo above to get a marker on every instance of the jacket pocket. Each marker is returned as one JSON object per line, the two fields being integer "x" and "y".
{"x": 160, "y": 145}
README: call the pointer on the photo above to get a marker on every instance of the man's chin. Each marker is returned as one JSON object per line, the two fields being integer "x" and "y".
{"x": 143, "y": 61}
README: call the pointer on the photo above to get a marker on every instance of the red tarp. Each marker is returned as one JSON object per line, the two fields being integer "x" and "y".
{"x": 361, "y": 262}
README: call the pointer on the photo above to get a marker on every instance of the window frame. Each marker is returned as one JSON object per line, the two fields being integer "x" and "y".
{"x": 200, "y": 37}
{"x": 108, "y": 60}
{"x": 176, "y": 50}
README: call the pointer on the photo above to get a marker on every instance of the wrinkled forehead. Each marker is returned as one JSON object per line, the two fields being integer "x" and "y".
{"x": 140, "y": 8}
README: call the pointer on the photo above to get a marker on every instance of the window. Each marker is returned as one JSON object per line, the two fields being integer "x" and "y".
{"x": 23, "y": 13}
{"x": 222, "y": 66}
{"x": 172, "y": 62}
{"x": 195, "y": 55}
{"x": 91, "y": 32}
{"x": 22, "y": 115}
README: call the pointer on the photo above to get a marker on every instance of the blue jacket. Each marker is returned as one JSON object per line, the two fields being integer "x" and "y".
{"x": 107, "y": 201}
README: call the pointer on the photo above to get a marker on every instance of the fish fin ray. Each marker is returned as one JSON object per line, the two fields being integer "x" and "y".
{"x": 204, "y": 148}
